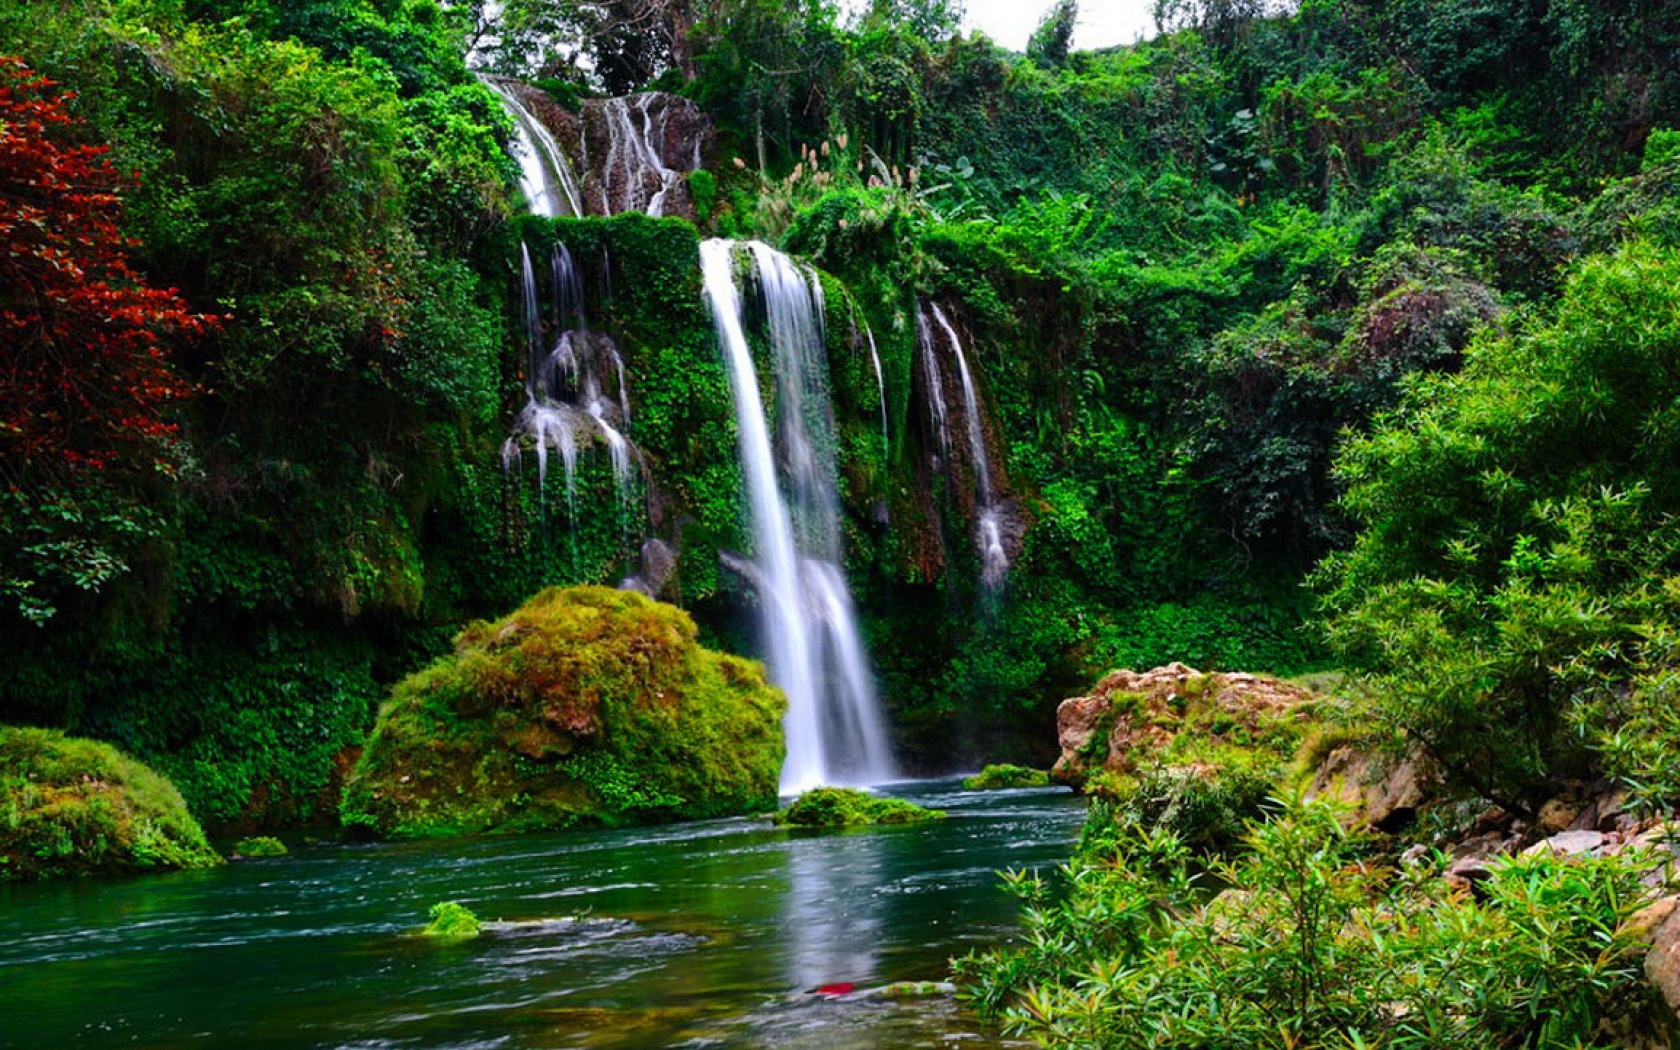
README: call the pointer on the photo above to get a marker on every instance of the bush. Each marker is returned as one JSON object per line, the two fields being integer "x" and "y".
{"x": 1311, "y": 944}
{"x": 829, "y": 807}
{"x": 77, "y": 807}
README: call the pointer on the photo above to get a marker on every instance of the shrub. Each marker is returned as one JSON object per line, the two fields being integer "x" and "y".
{"x": 1310, "y": 944}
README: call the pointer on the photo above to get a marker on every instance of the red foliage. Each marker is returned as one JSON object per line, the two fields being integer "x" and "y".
{"x": 84, "y": 371}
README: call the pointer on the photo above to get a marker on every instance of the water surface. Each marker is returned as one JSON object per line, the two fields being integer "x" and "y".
{"x": 709, "y": 934}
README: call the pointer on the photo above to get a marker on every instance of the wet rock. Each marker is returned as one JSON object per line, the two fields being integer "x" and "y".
{"x": 638, "y": 151}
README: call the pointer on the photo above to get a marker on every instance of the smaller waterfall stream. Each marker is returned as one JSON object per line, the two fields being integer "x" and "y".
{"x": 815, "y": 651}
{"x": 988, "y": 534}
{"x": 545, "y": 175}
{"x": 575, "y": 389}
{"x": 634, "y": 173}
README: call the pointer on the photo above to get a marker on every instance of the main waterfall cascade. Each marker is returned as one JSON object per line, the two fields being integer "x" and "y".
{"x": 835, "y": 733}
{"x": 988, "y": 532}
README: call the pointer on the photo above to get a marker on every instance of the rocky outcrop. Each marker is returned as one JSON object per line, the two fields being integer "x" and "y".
{"x": 1379, "y": 790}
{"x": 638, "y": 150}
{"x": 1129, "y": 719}
{"x": 586, "y": 707}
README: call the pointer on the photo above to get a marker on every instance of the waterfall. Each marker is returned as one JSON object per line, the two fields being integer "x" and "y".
{"x": 815, "y": 652}
{"x": 988, "y": 534}
{"x": 634, "y": 176}
{"x": 545, "y": 176}
{"x": 575, "y": 388}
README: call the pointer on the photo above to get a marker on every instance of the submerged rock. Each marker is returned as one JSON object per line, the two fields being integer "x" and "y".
{"x": 586, "y": 707}
{"x": 76, "y": 807}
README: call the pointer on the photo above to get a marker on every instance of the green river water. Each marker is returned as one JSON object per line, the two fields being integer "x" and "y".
{"x": 696, "y": 935}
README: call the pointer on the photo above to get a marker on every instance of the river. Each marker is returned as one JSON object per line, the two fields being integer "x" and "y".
{"x": 710, "y": 934}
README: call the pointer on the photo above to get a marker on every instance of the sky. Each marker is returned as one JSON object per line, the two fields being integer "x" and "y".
{"x": 1102, "y": 23}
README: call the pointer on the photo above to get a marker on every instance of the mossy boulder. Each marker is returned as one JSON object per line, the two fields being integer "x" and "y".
{"x": 830, "y": 807}
{"x": 586, "y": 707}
{"x": 77, "y": 807}
{"x": 994, "y": 777}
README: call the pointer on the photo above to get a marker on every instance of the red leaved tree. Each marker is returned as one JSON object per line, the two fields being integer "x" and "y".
{"x": 84, "y": 371}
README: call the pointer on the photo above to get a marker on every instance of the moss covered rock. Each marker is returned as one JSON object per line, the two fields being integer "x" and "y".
{"x": 830, "y": 807}
{"x": 1006, "y": 776}
{"x": 1176, "y": 748}
{"x": 76, "y": 807}
{"x": 586, "y": 707}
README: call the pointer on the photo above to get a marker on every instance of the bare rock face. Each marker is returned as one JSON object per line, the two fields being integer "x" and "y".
{"x": 1131, "y": 716}
{"x": 1382, "y": 791}
{"x": 637, "y": 152}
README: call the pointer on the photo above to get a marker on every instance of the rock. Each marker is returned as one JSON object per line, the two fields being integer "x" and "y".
{"x": 1130, "y": 717}
{"x": 1659, "y": 924}
{"x": 70, "y": 806}
{"x": 638, "y": 151}
{"x": 1569, "y": 844}
{"x": 1468, "y": 874}
{"x": 585, "y": 707}
{"x": 1382, "y": 791}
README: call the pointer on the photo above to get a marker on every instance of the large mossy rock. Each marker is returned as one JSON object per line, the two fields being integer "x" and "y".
{"x": 586, "y": 707}
{"x": 77, "y": 807}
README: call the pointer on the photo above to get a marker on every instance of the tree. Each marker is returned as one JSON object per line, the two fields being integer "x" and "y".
{"x": 85, "y": 379}
{"x": 1050, "y": 41}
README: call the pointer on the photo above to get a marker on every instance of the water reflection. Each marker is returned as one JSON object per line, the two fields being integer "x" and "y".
{"x": 831, "y": 911}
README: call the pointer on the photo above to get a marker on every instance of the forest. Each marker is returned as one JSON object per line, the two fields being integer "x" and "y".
{"x": 1335, "y": 342}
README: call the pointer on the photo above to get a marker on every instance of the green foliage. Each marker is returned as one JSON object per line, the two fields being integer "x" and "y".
{"x": 77, "y": 807}
{"x": 259, "y": 846}
{"x": 452, "y": 921}
{"x": 586, "y": 706}
{"x": 1310, "y": 943}
{"x": 828, "y": 807}
{"x": 1518, "y": 532}
{"x": 1006, "y": 776}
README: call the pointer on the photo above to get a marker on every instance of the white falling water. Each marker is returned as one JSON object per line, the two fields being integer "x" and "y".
{"x": 634, "y": 175}
{"x": 545, "y": 175}
{"x": 575, "y": 390}
{"x": 988, "y": 535}
{"x": 835, "y": 733}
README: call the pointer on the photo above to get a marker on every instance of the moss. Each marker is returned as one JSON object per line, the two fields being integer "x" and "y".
{"x": 1006, "y": 776}
{"x": 259, "y": 846}
{"x": 829, "y": 807}
{"x": 75, "y": 807}
{"x": 585, "y": 707}
{"x": 452, "y": 921}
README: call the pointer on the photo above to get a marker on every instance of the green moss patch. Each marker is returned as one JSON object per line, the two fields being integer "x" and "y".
{"x": 76, "y": 807}
{"x": 829, "y": 807}
{"x": 1006, "y": 776}
{"x": 586, "y": 707}
{"x": 452, "y": 921}
{"x": 259, "y": 846}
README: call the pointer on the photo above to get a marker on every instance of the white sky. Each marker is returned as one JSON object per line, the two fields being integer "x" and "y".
{"x": 1102, "y": 23}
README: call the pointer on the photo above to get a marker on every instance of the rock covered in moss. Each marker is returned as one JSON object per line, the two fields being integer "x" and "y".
{"x": 70, "y": 806}
{"x": 452, "y": 921}
{"x": 258, "y": 846}
{"x": 1006, "y": 776}
{"x": 585, "y": 707}
{"x": 830, "y": 807}
{"x": 1176, "y": 748}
